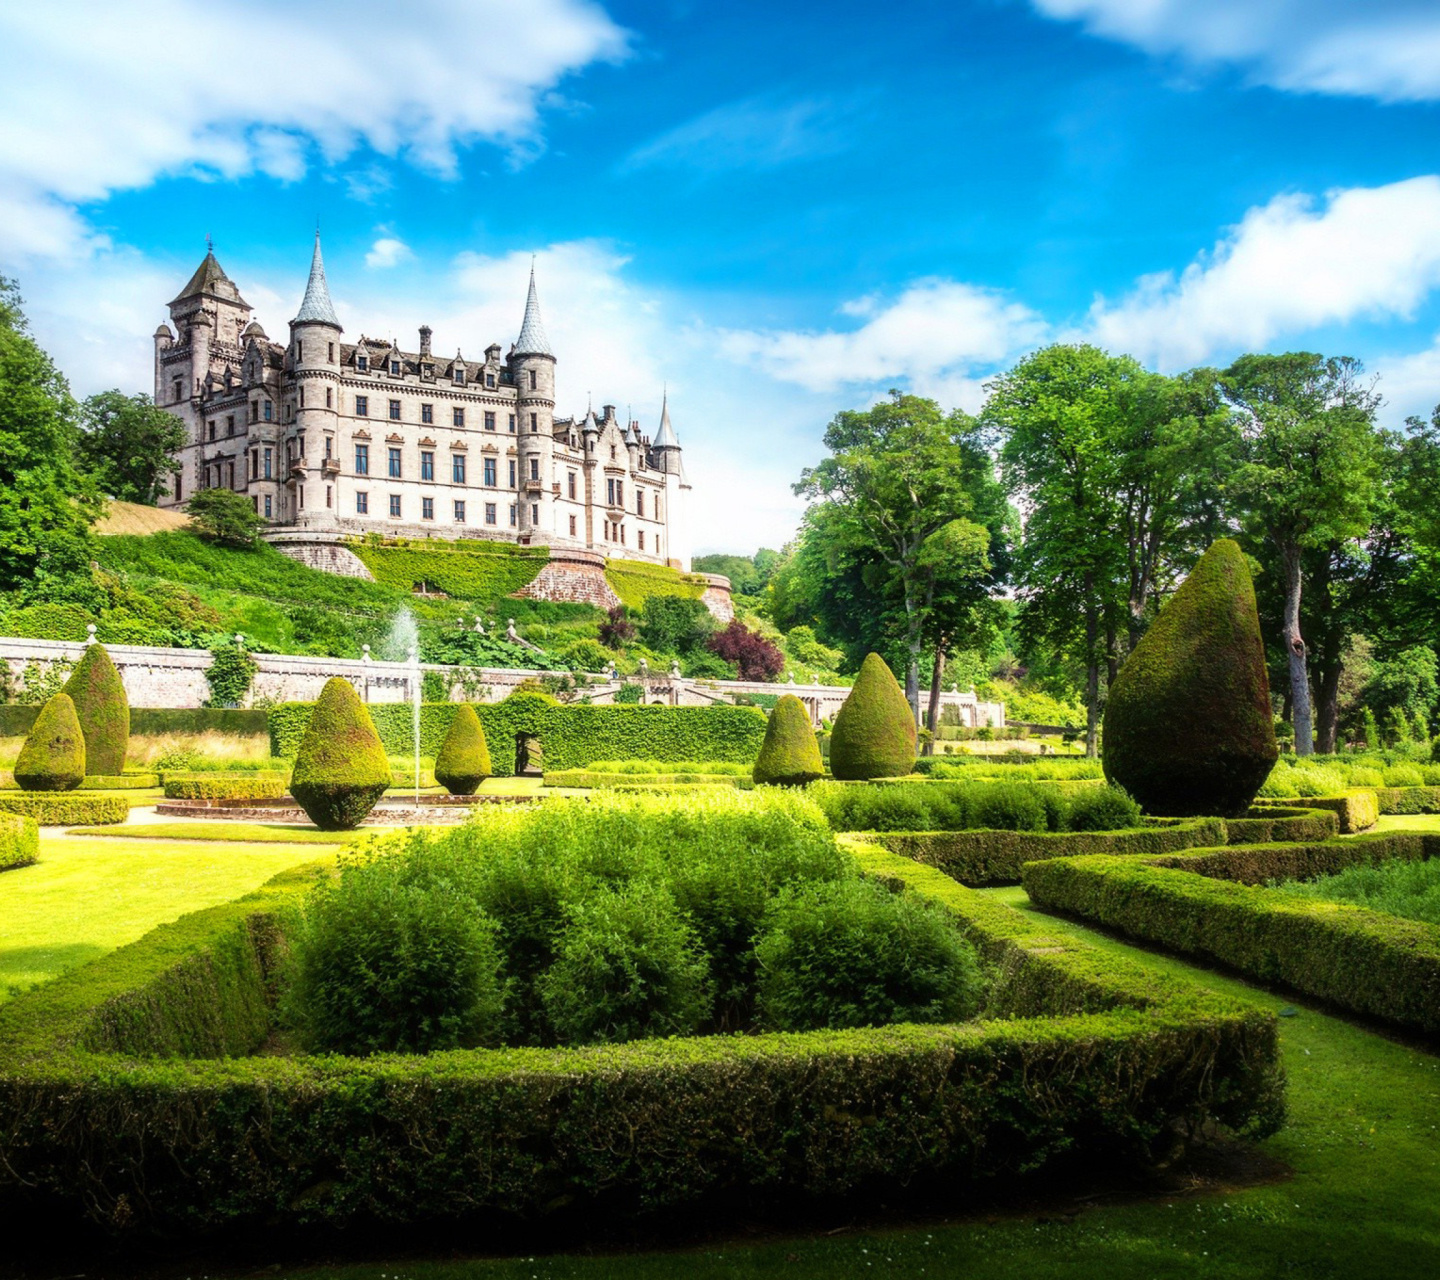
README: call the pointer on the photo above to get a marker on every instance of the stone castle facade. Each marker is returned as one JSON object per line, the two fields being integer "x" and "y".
{"x": 331, "y": 438}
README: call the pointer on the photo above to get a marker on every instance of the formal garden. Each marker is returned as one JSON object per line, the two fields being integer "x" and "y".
{"x": 719, "y": 979}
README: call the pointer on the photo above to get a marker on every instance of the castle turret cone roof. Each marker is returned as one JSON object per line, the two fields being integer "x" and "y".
{"x": 665, "y": 437}
{"x": 315, "y": 306}
{"x": 533, "y": 340}
{"x": 210, "y": 279}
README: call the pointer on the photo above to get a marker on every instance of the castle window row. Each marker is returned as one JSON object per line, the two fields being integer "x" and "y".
{"x": 427, "y": 415}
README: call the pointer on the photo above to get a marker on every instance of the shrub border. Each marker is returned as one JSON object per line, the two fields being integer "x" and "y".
{"x": 19, "y": 841}
{"x": 66, "y": 808}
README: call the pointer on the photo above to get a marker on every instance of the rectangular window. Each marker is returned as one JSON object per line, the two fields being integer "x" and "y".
{"x": 300, "y": 496}
{"x": 327, "y": 397}
{"x": 489, "y": 420}
{"x": 534, "y": 513}
{"x": 362, "y": 459}
{"x": 267, "y": 506}
{"x": 329, "y": 446}
{"x": 534, "y": 423}
{"x": 512, "y": 424}
{"x": 255, "y": 502}
{"x": 427, "y": 465}
{"x": 532, "y": 379}
{"x": 427, "y": 508}
{"x": 269, "y": 463}
{"x": 269, "y": 411}
{"x": 210, "y": 427}
{"x": 534, "y": 468}
{"x": 489, "y": 379}
{"x": 394, "y": 464}
{"x": 230, "y": 472}
{"x": 230, "y": 425}
{"x": 657, "y": 506}
{"x": 329, "y": 495}
{"x": 513, "y": 485}
{"x": 394, "y": 368}
{"x": 362, "y": 363}
{"x": 639, "y": 502}
{"x": 490, "y": 472}
{"x": 254, "y": 411}
{"x": 175, "y": 390}
{"x": 362, "y": 504}
{"x": 427, "y": 413}
{"x": 640, "y": 538}
{"x": 513, "y": 520}
{"x": 395, "y": 505}
{"x": 460, "y": 373}
{"x": 459, "y": 513}
{"x": 254, "y": 463}
{"x": 572, "y": 526}
{"x": 179, "y": 487}
{"x": 572, "y": 486}
{"x": 489, "y": 513}
{"x": 457, "y": 417}
{"x": 394, "y": 411}
{"x": 331, "y": 356}
{"x": 457, "y": 468}
{"x": 362, "y": 406}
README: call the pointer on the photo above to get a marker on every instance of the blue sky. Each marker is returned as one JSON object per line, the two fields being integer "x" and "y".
{"x": 777, "y": 210}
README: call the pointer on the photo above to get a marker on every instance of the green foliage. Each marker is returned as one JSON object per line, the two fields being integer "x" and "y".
{"x": 230, "y": 673}
{"x": 464, "y": 759}
{"x": 53, "y": 621}
{"x": 127, "y": 444}
{"x": 789, "y": 756}
{"x": 636, "y": 583}
{"x": 1398, "y": 887}
{"x": 852, "y": 954}
{"x": 53, "y": 757}
{"x": 1100, "y": 809}
{"x": 749, "y": 575}
{"x": 874, "y": 733}
{"x": 1188, "y": 728}
{"x": 628, "y": 966}
{"x": 99, "y": 697}
{"x": 340, "y": 767}
{"x": 225, "y": 516}
{"x": 1356, "y": 810}
{"x": 244, "y": 786}
{"x": 19, "y": 841}
{"x": 675, "y": 624}
{"x": 74, "y": 809}
{"x": 389, "y": 960}
{"x": 481, "y": 573}
{"x": 587, "y": 655}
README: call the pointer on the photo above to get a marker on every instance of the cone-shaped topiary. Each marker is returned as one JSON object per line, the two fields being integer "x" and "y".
{"x": 874, "y": 734}
{"x": 464, "y": 759}
{"x": 53, "y": 757}
{"x": 340, "y": 769}
{"x": 789, "y": 756}
{"x": 1188, "y": 726}
{"x": 104, "y": 710}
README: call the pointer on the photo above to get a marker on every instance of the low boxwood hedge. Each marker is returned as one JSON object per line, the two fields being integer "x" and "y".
{"x": 1211, "y": 904}
{"x": 65, "y": 809}
{"x": 1356, "y": 810}
{"x": 585, "y": 778}
{"x": 995, "y": 857}
{"x": 1264, "y": 826}
{"x": 19, "y": 840}
{"x": 1408, "y": 799}
{"x": 120, "y": 782}
{"x": 121, "y": 1099}
{"x": 222, "y": 786}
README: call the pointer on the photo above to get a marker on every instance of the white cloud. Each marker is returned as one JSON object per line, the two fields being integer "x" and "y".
{"x": 1387, "y": 49}
{"x": 1289, "y": 266}
{"x": 1410, "y": 383}
{"x": 387, "y": 251}
{"x": 99, "y": 97}
{"x": 937, "y": 338}
{"x": 754, "y": 133}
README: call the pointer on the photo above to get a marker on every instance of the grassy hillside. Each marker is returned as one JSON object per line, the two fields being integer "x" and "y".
{"x": 635, "y": 582}
{"x": 481, "y": 573}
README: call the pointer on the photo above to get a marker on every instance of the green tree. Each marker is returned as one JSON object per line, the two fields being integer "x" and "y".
{"x": 1308, "y": 477}
{"x": 128, "y": 445}
{"x": 46, "y": 506}
{"x": 225, "y": 516}
{"x": 675, "y": 624}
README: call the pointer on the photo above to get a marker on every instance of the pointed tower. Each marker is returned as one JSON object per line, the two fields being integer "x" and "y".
{"x": 667, "y": 445}
{"x": 313, "y": 482}
{"x": 532, "y": 369}
{"x": 665, "y": 450}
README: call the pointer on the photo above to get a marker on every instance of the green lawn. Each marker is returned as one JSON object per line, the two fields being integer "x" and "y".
{"x": 86, "y": 896}
{"x": 218, "y": 830}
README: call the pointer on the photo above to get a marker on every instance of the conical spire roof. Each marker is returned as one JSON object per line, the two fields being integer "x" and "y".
{"x": 315, "y": 306}
{"x": 210, "y": 278}
{"x": 533, "y": 340}
{"x": 665, "y": 437}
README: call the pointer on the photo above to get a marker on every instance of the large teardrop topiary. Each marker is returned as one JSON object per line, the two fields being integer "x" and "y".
{"x": 874, "y": 734}
{"x": 53, "y": 757}
{"x": 1188, "y": 726}
{"x": 340, "y": 769}
{"x": 104, "y": 710}
{"x": 464, "y": 759}
{"x": 789, "y": 756}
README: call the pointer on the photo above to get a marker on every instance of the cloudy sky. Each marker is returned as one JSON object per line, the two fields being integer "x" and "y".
{"x": 779, "y": 210}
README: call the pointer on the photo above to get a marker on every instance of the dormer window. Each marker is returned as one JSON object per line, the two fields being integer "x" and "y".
{"x": 459, "y": 373}
{"x": 394, "y": 368}
{"x": 489, "y": 379}
{"x": 362, "y": 363}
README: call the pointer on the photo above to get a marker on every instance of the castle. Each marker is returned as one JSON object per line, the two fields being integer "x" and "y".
{"x": 333, "y": 438}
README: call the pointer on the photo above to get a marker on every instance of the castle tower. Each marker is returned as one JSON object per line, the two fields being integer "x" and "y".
{"x": 532, "y": 369}
{"x": 311, "y": 440}
{"x": 666, "y": 452}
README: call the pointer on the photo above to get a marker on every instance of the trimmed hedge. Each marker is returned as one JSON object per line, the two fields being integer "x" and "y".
{"x": 1282, "y": 825}
{"x": 874, "y": 731}
{"x": 995, "y": 857}
{"x": 104, "y": 710}
{"x": 19, "y": 841}
{"x": 1081, "y": 1053}
{"x": 1408, "y": 799}
{"x": 1209, "y": 905}
{"x": 571, "y": 736}
{"x": 340, "y": 768}
{"x": 586, "y": 778}
{"x": 57, "y": 809}
{"x": 120, "y": 782}
{"x": 53, "y": 756}
{"x": 1355, "y": 810}
{"x": 16, "y": 720}
{"x": 464, "y": 759}
{"x": 789, "y": 756}
{"x": 222, "y": 786}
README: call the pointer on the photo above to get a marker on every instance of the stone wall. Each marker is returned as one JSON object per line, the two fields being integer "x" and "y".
{"x": 321, "y": 551}
{"x": 572, "y": 576}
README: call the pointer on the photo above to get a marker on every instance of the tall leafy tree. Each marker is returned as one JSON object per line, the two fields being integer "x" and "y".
{"x": 128, "y": 445}
{"x": 1309, "y": 478}
{"x": 46, "y": 506}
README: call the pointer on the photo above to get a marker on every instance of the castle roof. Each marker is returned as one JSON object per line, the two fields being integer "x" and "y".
{"x": 315, "y": 306}
{"x": 210, "y": 280}
{"x": 533, "y": 340}
{"x": 665, "y": 438}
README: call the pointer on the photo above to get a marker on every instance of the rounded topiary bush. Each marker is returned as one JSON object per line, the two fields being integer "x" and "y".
{"x": 874, "y": 733}
{"x": 340, "y": 769}
{"x": 53, "y": 757}
{"x": 386, "y": 963}
{"x": 464, "y": 759}
{"x": 104, "y": 711}
{"x": 1188, "y": 727}
{"x": 628, "y": 965}
{"x": 1101, "y": 809}
{"x": 853, "y": 954}
{"x": 789, "y": 756}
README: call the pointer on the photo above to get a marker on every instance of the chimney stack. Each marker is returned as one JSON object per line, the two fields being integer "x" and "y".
{"x": 424, "y": 339}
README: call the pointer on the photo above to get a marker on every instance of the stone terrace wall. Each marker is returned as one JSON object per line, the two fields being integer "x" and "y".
{"x": 572, "y": 577}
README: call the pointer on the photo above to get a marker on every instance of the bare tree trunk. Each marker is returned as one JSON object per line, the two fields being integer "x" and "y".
{"x": 1295, "y": 647}
{"x": 932, "y": 717}
{"x": 1328, "y": 706}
